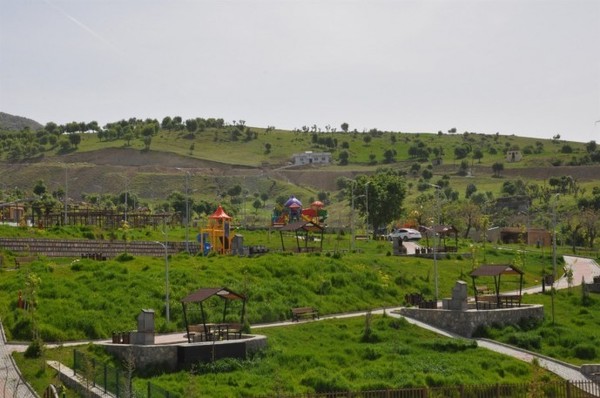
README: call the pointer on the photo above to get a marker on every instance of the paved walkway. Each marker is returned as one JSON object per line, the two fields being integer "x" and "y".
{"x": 583, "y": 269}
{"x": 11, "y": 383}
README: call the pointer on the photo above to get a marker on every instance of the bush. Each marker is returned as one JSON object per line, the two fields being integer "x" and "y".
{"x": 454, "y": 345}
{"x": 525, "y": 340}
{"x": 123, "y": 257}
{"x": 35, "y": 349}
{"x": 584, "y": 351}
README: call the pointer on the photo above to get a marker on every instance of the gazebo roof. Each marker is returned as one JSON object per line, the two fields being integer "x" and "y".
{"x": 207, "y": 292}
{"x": 439, "y": 229}
{"x": 495, "y": 270}
{"x": 301, "y": 225}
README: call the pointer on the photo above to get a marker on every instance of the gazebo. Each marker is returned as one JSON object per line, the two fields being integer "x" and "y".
{"x": 484, "y": 299}
{"x": 302, "y": 229}
{"x": 210, "y": 330}
{"x": 442, "y": 231}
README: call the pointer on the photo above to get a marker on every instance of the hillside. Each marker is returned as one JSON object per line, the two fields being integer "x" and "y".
{"x": 151, "y": 161}
{"x": 17, "y": 123}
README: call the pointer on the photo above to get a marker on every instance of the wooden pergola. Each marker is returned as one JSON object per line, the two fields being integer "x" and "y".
{"x": 200, "y": 295}
{"x": 496, "y": 272}
{"x": 302, "y": 228}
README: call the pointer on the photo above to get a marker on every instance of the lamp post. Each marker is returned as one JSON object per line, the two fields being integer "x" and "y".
{"x": 187, "y": 212}
{"x": 554, "y": 253}
{"x": 437, "y": 216}
{"x": 367, "y": 207}
{"x": 66, "y": 192}
{"x": 164, "y": 245}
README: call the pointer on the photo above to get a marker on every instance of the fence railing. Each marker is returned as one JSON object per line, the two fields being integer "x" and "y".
{"x": 560, "y": 389}
{"x": 115, "y": 381}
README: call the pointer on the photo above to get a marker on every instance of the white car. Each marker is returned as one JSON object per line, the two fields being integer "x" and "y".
{"x": 404, "y": 234}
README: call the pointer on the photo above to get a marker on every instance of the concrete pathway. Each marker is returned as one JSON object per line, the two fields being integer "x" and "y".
{"x": 11, "y": 382}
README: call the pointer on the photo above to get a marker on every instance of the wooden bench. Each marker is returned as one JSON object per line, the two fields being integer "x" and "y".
{"x": 483, "y": 289}
{"x": 304, "y": 312}
{"x": 487, "y": 302}
{"x": 361, "y": 237}
{"x": 24, "y": 260}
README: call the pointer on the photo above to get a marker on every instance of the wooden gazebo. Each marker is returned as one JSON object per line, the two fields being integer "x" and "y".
{"x": 200, "y": 295}
{"x": 443, "y": 231}
{"x": 487, "y": 298}
{"x": 302, "y": 228}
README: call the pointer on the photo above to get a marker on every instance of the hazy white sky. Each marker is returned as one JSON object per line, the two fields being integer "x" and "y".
{"x": 524, "y": 67}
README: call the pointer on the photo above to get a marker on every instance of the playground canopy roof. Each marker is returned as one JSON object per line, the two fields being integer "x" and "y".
{"x": 220, "y": 213}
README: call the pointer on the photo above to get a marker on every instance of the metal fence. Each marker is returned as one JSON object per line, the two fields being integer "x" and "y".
{"x": 564, "y": 389}
{"x": 115, "y": 381}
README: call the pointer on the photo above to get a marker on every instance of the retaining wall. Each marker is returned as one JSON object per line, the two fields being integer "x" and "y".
{"x": 174, "y": 357}
{"x": 79, "y": 247}
{"x": 464, "y": 323}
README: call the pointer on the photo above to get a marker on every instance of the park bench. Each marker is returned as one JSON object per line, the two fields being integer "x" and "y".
{"x": 361, "y": 237}
{"x": 304, "y": 312}
{"x": 483, "y": 289}
{"x": 24, "y": 260}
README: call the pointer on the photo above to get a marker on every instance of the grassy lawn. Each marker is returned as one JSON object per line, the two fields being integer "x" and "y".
{"x": 573, "y": 336}
{"x": 352, "y": 354}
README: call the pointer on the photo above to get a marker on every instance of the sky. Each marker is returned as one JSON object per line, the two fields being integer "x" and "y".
{"x": 524, "y": 67}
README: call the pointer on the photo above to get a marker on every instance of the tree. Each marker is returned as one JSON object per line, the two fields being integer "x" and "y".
{"x": 497, "y": 168}
{"x": 343, "y": 158}
{"x": 267, "y": 148}
{"x": 147, "y": 142}
{"x": 477, "y": 154}
{"x": 367, "y": 139}
{"x": 74, "y": 139}
{"x": 40, "y": 188}
{"x": 191, "y": 125}
{"x": 591, "y": 147}
{"x": 471, "y": 189}
{"x": 257, "y": 204}
{"x": 385, "y": 190}
{"x": 344, "y": 127}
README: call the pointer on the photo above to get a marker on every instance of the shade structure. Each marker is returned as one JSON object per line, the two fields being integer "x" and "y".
{"x": 317, "y": 204}
{"x": 293, "y": 200}
{"x": 220, "y": 214}
{"x": 200, "y": 295}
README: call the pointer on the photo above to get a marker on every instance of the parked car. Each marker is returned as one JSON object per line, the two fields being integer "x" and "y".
{"x": 404, "y": 234}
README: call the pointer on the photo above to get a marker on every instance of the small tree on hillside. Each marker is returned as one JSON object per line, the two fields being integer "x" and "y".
{"x": 497, "y": 169}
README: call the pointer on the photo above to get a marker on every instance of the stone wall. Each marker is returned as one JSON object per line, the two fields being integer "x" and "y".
{"x": 174, "y": 357}
{"x": 464, "y": 323}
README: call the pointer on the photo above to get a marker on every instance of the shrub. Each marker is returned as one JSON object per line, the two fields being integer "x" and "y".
{"x": 35, "y": 349}
{"x": 454, "y": 345}
{"x": 371, "y": 354}
{"x": 123, "y": 257}
{"x": 525, "y": 340}
{"x": 584, "y": 351}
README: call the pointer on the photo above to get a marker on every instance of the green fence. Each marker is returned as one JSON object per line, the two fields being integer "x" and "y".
{"x": 115, "y": 381}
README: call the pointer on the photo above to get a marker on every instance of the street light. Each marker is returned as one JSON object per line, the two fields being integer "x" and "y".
{"x": 435, "y": 265}
{"x": 164, "y": 245}
{"x": 367, "y": 207}
{"x": 554, "y": 253}
{"x": 187, "y": 209}
{"x": 352, "y": 215}
{"x": 66, "y": 192}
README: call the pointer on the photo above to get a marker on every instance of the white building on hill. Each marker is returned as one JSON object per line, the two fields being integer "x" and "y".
{"x": 310, "y": 157}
